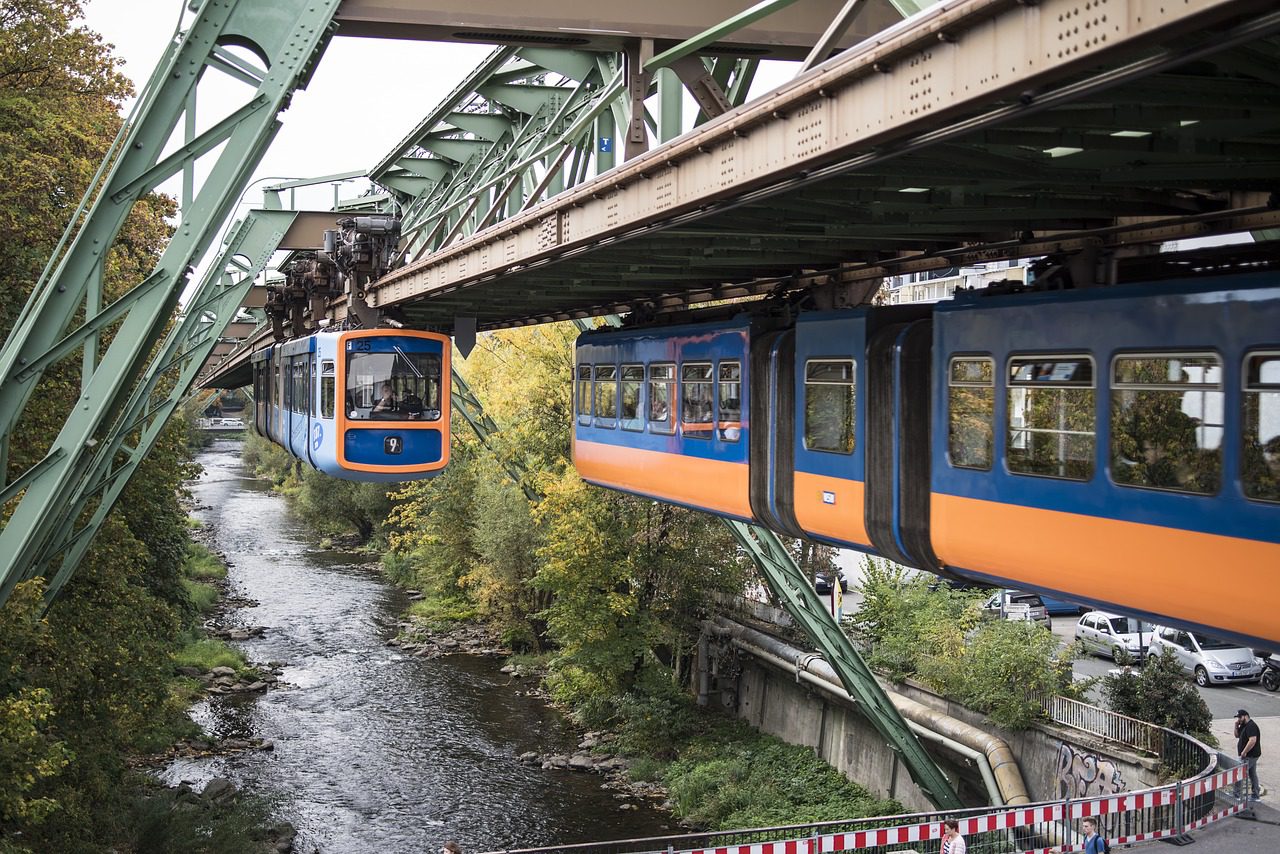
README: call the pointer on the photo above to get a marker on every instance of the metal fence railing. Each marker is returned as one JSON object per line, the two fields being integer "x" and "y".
{"x": 1103, "y": 723}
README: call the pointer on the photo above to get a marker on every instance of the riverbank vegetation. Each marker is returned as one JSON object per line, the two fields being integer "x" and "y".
{"x": 88, "y": 682}
{"x": 915, "y": 626}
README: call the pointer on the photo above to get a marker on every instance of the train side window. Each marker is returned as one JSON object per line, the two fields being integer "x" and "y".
{"x": 971, "y": 402}
{"x": 584, "y": 392}
{"x": 1051, "y": 420}
{"x": 1166, "y": 421}
{"x": 632, "y": 379}
{"x": 662, "y": 380}
{"x": 697, "y": 402}
{"x": 606, "y": 393}
{"x": 328, "y": 385}
{"x": 729, "y": 378}
{"x": 830, "y": 405}
{"x": 298, "y": 401}
{"x": 1261, "y": 452}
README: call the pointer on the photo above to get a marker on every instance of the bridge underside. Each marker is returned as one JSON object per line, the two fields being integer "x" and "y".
{"x": 1172, "y": 134}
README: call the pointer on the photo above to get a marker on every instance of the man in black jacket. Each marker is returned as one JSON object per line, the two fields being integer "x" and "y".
{"x": 1249, "y": 747}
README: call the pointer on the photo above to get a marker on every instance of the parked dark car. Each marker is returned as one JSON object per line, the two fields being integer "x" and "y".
{"x": 1014, "y": 602}
{"x": 822, "y": 583}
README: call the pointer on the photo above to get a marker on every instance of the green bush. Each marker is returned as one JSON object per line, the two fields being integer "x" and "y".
{"x": 731, "y": 776}
{"x": 1160, "y": 693}
{"x": 1003, "y": 670}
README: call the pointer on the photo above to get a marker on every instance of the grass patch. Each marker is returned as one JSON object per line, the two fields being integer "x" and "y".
{"x": 202, "y": 596}
{"x": 194, "y": 524}
{"x": 208, "y": 653}
{"x": 439, "y": 612}
{"x": 203, "y": 564}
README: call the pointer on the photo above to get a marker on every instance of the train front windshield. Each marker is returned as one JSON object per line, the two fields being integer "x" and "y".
{"x": 393, "y": 386}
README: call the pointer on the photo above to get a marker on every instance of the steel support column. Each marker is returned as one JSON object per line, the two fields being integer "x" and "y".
{"x": 287, "y": 37}
{"x": 798, "y": 597}
{"x": 164, "y": 385}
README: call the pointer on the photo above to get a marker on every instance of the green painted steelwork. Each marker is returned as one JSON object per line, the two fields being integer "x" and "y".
{"x": 287, "y": 37}
{"x": 164, "y": 384}
{"x": 795, "y": 591}
{"x": 714, "y": 34}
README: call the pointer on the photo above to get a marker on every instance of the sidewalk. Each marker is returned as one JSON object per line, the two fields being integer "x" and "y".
{"x": 1237, "y": 835}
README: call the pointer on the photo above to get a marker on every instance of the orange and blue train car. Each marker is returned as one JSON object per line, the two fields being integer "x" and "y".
{"x": 665, "y": 414}
{"x": 1116, "y": 446}
{"x": 365, "y": 405}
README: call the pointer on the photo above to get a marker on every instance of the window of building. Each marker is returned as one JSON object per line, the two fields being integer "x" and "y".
{"x": 606, "y": 377}
{"x": 662, "y": 380}
{"x": 830, "y": 404}
{"x": 1051, "y": 421}
{"x": 632, "y": 379}
{"x": 584, "y": 391}
{"x": 697, "y": 402}
{"x": 1261, "y": 451}
{"x": 1166, "y": 421}
{"x": 327, "y": 375}
{"x": 729, "y": 427}
{"x": 971, "y": 402}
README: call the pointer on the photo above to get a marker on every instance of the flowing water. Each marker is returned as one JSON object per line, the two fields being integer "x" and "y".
{"x": 376, "y": 751}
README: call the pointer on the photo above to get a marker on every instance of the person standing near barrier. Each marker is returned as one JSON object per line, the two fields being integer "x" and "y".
{"x": 952, "y": 841}
{"x": 1093, "y": 841}
{"x": 1249, "y": 747}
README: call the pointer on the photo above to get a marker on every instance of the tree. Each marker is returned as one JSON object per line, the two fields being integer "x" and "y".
{"x": 1160, "y": 693}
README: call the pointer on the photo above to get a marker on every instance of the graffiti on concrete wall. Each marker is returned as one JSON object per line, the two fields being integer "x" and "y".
{"x": 1086, "y": 775}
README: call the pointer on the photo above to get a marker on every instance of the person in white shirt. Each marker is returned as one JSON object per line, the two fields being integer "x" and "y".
{"x": 952, "y": 841}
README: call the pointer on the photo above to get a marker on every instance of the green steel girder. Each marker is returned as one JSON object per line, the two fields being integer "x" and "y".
{"x": 288, "y": 37}
{"x": 794, "y": 590}
{"x": 165, "y": 383}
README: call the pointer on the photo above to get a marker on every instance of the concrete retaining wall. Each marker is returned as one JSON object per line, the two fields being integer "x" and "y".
{"x": 1055, "y": 762}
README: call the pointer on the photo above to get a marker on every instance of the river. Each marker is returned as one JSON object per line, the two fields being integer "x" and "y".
{"x": 376, "y": 750}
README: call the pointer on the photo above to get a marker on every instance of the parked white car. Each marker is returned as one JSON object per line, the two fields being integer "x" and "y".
{"x": 1101, "y": 633}
{"x": 1209, "y": 660}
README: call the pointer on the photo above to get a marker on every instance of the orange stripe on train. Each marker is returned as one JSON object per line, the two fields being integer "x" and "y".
{"x": 842, "y": 519}
{"x": 714, "y": 484}
{"x": 1208, "y": 579}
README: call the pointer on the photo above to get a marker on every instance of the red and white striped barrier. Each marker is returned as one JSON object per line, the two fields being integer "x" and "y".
{"x": 1124, "y": 803}
{"x": 1215, "y": 781}
{"x": 1008, "y": 819}
{"x": 1210, "y": 819}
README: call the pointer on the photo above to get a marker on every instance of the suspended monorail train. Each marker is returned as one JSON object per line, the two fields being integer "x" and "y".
{"x": 365, "y": 405}
{"x": 1117, "y": 446}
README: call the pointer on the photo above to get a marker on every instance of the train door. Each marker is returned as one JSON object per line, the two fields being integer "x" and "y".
{"x": 826, "y": 372}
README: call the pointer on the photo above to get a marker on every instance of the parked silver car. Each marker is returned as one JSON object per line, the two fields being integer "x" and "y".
{"x": 1106, "y": 634}
{"x": 1018, "y": 605}
{"x": 1209, "y": 660}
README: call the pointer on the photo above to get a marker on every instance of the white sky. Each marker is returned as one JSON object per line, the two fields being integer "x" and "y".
{"x": 356, "y": 108}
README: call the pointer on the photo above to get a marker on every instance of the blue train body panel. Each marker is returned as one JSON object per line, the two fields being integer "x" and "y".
{"x": 367, "y": 405}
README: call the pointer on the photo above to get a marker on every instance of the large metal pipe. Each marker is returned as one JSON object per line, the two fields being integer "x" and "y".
{"x": 999, "y": 768}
